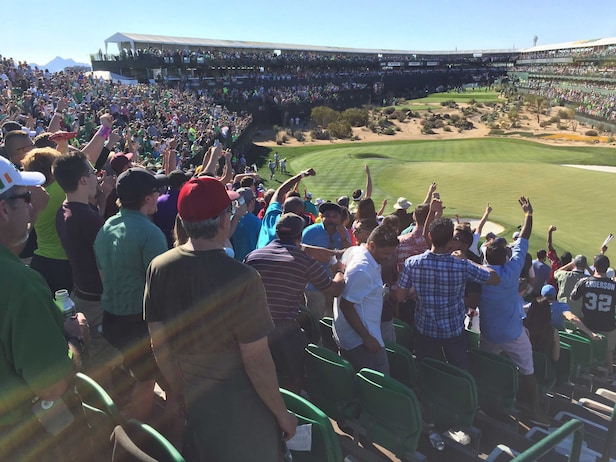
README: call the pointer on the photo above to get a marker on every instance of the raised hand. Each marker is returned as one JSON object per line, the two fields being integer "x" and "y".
{"x": 525, "y": 204}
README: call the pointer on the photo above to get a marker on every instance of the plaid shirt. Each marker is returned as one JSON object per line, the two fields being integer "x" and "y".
{"x": 439, "y": 280}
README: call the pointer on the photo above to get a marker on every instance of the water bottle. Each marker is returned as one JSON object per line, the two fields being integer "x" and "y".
{"x": 64, "y": 302}
{"x": 437, "y": 441}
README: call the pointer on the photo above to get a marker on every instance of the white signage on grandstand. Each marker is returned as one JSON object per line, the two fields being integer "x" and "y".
{"x": 432, "y": 63}
{"x": 394, "y": 64}
{"x": 413, "y": 63}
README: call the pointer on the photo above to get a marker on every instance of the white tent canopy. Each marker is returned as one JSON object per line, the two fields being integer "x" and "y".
{"x": 162, "y": 42}
{"x": 571, "y": 45}
{"x": 106, "y": 75}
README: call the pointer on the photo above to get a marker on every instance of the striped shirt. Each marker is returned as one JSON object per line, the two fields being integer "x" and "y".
{"x": 285, "y": 270}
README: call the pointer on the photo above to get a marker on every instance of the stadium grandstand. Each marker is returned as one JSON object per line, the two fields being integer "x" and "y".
{"x": 579, "y": 75}
{"x": 270, "y": 80}
{"x": 262, "y": 77}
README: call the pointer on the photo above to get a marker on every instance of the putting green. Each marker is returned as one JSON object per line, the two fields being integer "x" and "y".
{"x": 472, "y": 172}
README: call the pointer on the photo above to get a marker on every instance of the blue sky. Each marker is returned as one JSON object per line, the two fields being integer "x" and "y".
{"x": 76, "y": 32}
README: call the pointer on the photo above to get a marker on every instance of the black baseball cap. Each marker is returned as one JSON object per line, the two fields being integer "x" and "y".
{"x": 289, "y": 225}
{"x": 326, "y": 206}
{"x": 137, "y": 182}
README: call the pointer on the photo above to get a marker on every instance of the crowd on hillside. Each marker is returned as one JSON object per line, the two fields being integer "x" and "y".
{"x": 146, "y": 115}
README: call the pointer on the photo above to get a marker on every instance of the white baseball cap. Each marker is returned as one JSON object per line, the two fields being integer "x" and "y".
{"x": 10, "y": 176}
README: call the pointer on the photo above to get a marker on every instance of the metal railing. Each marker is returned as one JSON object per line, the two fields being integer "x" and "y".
{"x": 542, "y": 447}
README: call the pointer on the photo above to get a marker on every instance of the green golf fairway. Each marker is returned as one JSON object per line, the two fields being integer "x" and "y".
{"x": 472, "y": 172}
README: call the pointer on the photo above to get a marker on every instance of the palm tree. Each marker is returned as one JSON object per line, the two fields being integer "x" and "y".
{"x": 537, "y": 102}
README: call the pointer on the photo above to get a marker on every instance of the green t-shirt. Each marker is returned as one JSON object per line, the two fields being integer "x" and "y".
{"x": 33, "y": 350}
{"x": 124, "y": 247}
{"x": 47, "y": 238}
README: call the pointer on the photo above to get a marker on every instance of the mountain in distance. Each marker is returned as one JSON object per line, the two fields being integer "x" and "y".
{"x": 59, "y": 64}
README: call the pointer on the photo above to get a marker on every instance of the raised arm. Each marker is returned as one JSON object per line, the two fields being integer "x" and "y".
{"x": 96, "y": 144}
{"x": 368, "y": 182}
{"x": 436, "y": 211}
{"x": 227, "y": 172}
{"x": 54, "y": 123}
{"x": 549, "y": 245}
{"x": 212, "y": 156}
{"x": 431, "y": 190}
{"x": 527, "y": 227}
{"x": 288, "y": 185}
{"x": 483, "y": 220}
{"x": 382, "y": 209}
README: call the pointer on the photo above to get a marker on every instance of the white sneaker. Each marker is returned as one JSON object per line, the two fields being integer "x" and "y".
{"x": 458, "y": 436}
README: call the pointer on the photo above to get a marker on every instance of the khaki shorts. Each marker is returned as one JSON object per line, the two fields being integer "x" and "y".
{"x": 519, "y": 350}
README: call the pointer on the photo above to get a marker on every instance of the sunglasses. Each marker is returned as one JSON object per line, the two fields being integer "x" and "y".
{"x": 27, "y": 196}
{"x": 160, "y": 190}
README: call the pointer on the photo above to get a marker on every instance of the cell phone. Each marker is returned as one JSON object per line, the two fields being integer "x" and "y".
{"x": 241, "y": 201}
{"x": 216, "y": 143}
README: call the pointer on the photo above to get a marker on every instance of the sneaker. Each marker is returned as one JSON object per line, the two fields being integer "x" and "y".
{"x": 458, "y": 436}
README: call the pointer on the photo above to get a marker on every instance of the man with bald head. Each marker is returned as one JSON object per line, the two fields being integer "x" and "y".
{"x": 275, "y": 208}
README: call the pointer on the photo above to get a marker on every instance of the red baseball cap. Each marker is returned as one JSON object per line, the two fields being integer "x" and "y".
{"x": 203, "y": 198}
{"x": 120, "y": 160}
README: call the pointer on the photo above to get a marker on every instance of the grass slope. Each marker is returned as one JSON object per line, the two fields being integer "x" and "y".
{"x": 472, "y": 172}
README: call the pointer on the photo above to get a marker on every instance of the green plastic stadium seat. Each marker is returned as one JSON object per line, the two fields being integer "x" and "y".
{"x": 307, "y": 321}
{"x": 599, "y": 349}
{"x": 331, "y": 385}
{"x": 404, "y": 334}
{"x": 136, "y": 441}
{"x": 496, "y": 377}
{"x": 448, "y": 394}
{"x": 325, "y": 446}
{"x": 100, "y": 411}
{"x": 401, "y": 364}
{"x": 390, "y": 413}
{"x": 564, "y": 366}
{"x": 581, "y": 352}
{"x": 327, "y": 333}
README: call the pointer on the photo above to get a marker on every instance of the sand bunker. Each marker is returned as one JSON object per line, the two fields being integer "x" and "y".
{"x": 489, "y": 227}
{"x": 598, "y": 168}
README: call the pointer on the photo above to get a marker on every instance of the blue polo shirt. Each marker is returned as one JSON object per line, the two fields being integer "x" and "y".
{"x": 268, "y": 224}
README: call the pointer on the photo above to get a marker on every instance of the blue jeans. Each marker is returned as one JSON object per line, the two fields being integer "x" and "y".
{"x": 361, "y": 357}
{"x": 452, "y": 349}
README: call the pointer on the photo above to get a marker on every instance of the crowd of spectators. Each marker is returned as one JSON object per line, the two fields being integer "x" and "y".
{"x": 588, "y": 52}
{"x": 146, "y": 115}
{"x": 589, "y": 88}
{"x": 206, "y": 318}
